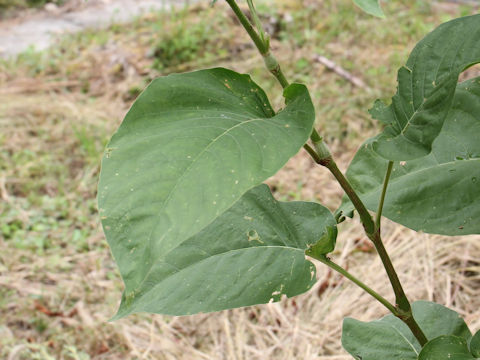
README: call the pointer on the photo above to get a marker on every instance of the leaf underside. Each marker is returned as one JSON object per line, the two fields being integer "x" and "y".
{"x": 189, "y": 148}
{"x": 426, "y": 87}
{"x": 254, "y": 253}
{"x": 439, "y": 193}
{"x": 389, "y": 338}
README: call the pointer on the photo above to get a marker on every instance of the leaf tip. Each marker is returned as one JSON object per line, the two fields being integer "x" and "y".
{"x": 371, "y": 7}
{"x": 119, "y": 315}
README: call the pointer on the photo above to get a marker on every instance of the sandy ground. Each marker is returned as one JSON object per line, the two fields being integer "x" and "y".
{"x": 38, "y": 30}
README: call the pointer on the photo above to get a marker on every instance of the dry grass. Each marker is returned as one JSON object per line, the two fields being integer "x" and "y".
{"x": 58, "y": 282}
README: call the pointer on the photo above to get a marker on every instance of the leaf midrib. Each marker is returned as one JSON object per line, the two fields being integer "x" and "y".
{"x": 412, "y": 98}
{"x": 208, "y": 258}
{"x": 404, "y": 337}
{"x": 170, "y": 194}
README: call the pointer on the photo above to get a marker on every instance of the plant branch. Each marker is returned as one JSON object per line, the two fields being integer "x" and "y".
{"x": 274, "y": 67}
{"x": 326, "y": 160}
{"x": 262, "y": 43}
{"x": 357, "y": 282}
{"x": 322, "y": 156}
{"x": 365, "y": 216}
{"x": 256, "y": 20}
{"x": 382, "y": 197}
{"x": 403, "y": 306}
{"x": 248, "y": 27}
{"x": 312, "y": 153}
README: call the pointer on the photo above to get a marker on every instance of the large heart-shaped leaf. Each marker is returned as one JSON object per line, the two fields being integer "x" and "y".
{"x": 446, "y": 348}
{"x": 371, "y": 7}
{"x": 439, "y": 193}
{"x": 426, "y": 86}
{"x": 389, "y": 338}
{"x": 252, "y": 254}
{"x": 188, "y": 149}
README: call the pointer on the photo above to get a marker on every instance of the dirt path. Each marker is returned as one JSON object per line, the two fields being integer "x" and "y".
{"x": 38, "y": 30}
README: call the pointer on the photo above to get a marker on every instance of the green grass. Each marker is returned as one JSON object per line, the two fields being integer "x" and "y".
{"x": 182, "y": 41}
{"x": 187, "y": 40}
{"x": 10, "y": 7}
{"x": 7, "y": 4}
{"x": 59, "y": 107}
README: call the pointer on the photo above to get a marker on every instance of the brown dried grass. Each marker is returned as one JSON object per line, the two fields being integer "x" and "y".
{"x": 73, "y": 293}
{"x": 76, "y": 294}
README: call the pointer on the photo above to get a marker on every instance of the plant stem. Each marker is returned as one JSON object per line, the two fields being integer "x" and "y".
{"x": 407, "y": 318}
{"x": 322, "y": 156}
{"x": 400, "y": 297}
{"x": 403, "y": 306}
{"x": 415, "y": 329}
{"x": 312, "y": 153}
{"x": 274, "y": 67}
{"x": 365, "y": 216}
{"x": 382, "y": 197}
{"x": 262, "y": 45}
{"x": 359, "y": 283}
{"x": 322, "y": 149}
{"x": 326, "y": 160}
{"x": 256, "y": 20}
{"x": 248, "y": 27}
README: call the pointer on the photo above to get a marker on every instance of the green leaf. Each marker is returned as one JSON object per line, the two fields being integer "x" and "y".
{"x": 439, "y": 193}
{"x": 189, "y": 148}
{"x": 446, "y": 348}
{"x": 475, "y": 344}
{"x": 252, "y": 254}
{"x": 376, "y": 340}
{"x": 389, "y": 338}
{"x": 426, "y": 87}
{"x": 371, "y": 7}
{"x": 327, "y": 243}
{"x": 435, "y": 320}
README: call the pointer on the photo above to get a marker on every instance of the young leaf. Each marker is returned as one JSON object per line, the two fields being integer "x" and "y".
{"x": 252, "y": 254}
{"x": 475, "y": 344}
{"x": 371, "y": 7}
{"x": 439, "y": 193}
{"x": 326, "y": 244}
{"x": 446, "y": 348}
{"x": 191, "y": 145}
{"x": 390, "y": 338}
{"x": 426, "y": 87}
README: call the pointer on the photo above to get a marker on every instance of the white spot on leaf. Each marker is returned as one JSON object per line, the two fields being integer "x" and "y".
{"x": 252, "y": 235}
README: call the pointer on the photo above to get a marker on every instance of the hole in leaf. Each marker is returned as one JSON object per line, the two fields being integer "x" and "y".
{"x": 470, "y": 73}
